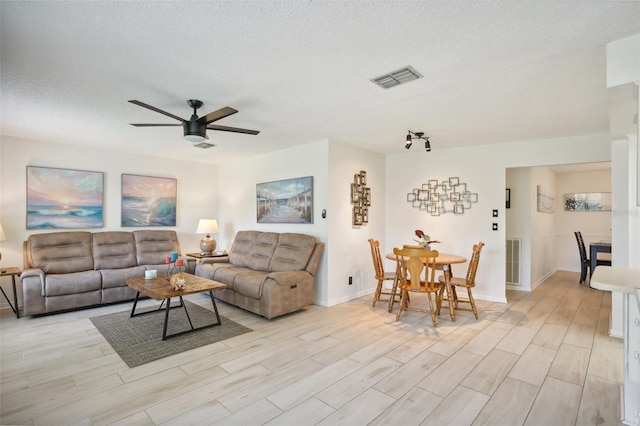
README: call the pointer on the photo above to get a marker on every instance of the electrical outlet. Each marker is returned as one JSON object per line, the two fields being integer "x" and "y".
{"x": 495, "y": 227}
{"x": 350, "y": 280}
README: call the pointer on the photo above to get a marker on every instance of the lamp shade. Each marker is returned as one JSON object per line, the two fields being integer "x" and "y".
{"x": 207, "y": 226}
{"x": 2, "y": 234}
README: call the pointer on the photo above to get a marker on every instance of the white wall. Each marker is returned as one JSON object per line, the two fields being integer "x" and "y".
{"x": 197, "y": 190}
{"x": 543, "y": 250}
{"x": 594, "y": 225}
{"x": 332, "y": 165}
{"x": 238, "y": 182}
{"x": 483, "y": 169}
{"x": 518, "y": 220}
{"x": 350, "y": 253}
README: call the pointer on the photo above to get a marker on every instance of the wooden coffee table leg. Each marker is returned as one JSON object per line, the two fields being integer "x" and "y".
{"x": 135, "y": 302}
{"x": 166, "y": 318}
{"x": 215, "y": 307}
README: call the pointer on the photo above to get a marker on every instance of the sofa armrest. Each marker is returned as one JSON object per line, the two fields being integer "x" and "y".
{"x": 288, "y": 278}
{"x": 34, "y": 274}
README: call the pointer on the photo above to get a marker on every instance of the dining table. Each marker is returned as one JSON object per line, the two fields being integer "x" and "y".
{"x": 594, "y": 249}
{"x": 443, "y": 262}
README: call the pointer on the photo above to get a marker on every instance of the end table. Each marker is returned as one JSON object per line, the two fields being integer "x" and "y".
{"x": 13, "y": 272}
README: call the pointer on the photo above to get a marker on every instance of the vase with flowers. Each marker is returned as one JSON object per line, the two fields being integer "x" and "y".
{"x": 424, "y": 240}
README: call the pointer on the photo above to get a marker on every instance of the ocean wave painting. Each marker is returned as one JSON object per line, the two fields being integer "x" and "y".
{"x": 64, "y": 199}
{"x": 148, "y": 201}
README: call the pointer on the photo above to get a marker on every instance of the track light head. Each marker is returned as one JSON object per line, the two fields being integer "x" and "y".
{"x": 417, "y": 135}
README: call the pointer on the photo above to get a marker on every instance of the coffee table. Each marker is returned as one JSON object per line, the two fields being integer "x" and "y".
{"x": 159, "y": 288}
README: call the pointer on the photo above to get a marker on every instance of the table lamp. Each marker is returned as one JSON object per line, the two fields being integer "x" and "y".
{"x": 207, "y": 244}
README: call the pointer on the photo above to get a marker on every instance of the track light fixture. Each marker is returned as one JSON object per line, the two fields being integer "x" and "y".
{"x": 409, "y": 142}
{"x": 417, "y": 135}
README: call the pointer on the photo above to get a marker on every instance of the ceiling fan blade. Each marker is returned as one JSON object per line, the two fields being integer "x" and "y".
{"x": 154, "y": 125}
{"x": 152, "y": 108}
{"x": 217, "y": 115}
{"x": 232, "y": 129}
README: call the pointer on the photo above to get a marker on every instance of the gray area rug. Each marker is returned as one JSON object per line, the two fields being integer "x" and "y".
{"x": 138, "y": 340}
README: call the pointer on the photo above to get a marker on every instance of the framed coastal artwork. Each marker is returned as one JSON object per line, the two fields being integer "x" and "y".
{"x": 285, "y": 201}
{"x": 148, "y": 201}
{"x": 64, "y": 198}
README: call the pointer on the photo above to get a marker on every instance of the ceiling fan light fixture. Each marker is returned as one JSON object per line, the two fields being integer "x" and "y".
{"x": 194, "y": 138}
{"x": 194, "y": 131}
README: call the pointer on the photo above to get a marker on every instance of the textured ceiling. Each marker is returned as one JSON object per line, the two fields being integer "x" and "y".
{"x": 299, "y": 72}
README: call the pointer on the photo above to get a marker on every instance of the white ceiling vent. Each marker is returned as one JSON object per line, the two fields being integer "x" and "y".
{"x": 396, "y": 78}
{"x": 203, "y": 145}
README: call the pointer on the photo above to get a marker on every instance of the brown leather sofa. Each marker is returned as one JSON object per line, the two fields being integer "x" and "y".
{"x": 267, "y": 273}
{"x": 75, "y": 269}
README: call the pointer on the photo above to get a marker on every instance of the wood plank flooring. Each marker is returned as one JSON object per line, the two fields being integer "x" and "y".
{"x": 544, "y": 358}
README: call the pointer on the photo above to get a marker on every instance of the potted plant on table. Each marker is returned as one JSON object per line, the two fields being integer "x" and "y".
{"x": 425, "y": 240}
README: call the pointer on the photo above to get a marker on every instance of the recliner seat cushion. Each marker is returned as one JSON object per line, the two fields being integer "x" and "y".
{"x": 72, "y": 283}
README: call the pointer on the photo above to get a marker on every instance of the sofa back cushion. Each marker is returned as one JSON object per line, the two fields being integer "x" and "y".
{"x": 253, "y": 249}
{"x": 292, "y": 252}
{"x": 114, "y": 250}
{"x": 61, "y": 252}
{"x": 153, "y": 247}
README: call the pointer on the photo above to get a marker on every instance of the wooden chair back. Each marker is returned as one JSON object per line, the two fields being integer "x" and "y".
{"x": 473, "y": 264}
{"x": 411, "y": 261}
{"x": 377, "y": 258}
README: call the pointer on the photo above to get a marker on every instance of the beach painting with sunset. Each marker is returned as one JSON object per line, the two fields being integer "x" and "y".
{"x": 64, "y": 199}
{"x": 148, "y": 201}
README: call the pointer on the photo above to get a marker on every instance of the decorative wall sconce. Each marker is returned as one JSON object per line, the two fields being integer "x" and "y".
{"x": 448, "y": 196}
{"x": 361, "y": 198}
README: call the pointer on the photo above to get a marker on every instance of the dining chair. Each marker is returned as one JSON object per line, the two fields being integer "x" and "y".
{"x": 382, "y": 276}
{"x": 411, "y": 262}
{"x": 585, "y": 264}
{"x": 468, "y": 282}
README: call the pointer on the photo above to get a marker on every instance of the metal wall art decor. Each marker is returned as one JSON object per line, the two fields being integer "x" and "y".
{"x": 64, "y": 199}
{"x": 285, "y": 201}
{"x": 148, "y": 201}
{"x": 588, "y": 202}
{"x": 448, "y": 196}
{"x": 360, "y": 198}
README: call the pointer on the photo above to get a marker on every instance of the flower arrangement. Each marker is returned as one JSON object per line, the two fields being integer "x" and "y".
{"x": 425, "y": 239}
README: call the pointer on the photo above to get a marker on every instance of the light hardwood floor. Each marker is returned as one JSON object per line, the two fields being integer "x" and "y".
{"x": 544, "y": 358}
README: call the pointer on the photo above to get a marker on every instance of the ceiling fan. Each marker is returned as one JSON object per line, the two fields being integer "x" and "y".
{"x": 195, "y": 129}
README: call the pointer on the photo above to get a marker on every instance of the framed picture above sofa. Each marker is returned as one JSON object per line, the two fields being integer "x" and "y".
{"x": 148, "y": 201}
{"x": 64, "y": 198}
{"x": 285, "y": 201}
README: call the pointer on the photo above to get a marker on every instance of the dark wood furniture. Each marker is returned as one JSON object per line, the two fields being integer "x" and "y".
{"x": 13, "y": 272}
{"x": 594, "y": 249}
{"x": 206, "y": 256}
